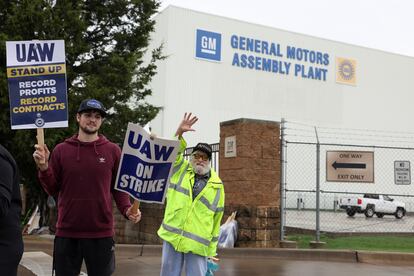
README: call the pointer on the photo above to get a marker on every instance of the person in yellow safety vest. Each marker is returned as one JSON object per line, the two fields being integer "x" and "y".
{"x": 194, "y": 209}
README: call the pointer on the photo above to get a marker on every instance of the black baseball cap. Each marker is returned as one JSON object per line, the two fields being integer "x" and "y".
{"x": 206, "y": 148}
{"x": 92, "y": 104}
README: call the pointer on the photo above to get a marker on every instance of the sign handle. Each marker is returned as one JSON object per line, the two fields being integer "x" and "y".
{"x": 41, "y": 141}
{"x": 135, "y": 207}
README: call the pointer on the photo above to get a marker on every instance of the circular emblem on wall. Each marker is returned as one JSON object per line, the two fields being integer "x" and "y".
{"x": 346, "y": 70}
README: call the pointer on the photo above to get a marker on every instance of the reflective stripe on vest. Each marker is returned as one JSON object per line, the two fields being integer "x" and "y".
{"x": 213, "y": 207}
{"x": 220, "y": 209}
{"x": 179, "y": 189}
{"x": 182, "y": 175}
{"x": 186, "y": 234}
{"x": 177, "y": 186}
{"x": 176, "y": 168}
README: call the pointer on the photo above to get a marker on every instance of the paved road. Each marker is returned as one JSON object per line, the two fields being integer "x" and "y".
{"x": 145, "y": 261}
{"x": 341, "y": 222}
{"x": 149, "y": 266}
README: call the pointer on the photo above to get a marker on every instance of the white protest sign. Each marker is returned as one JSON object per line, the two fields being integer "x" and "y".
{"x": 146, "y": 165}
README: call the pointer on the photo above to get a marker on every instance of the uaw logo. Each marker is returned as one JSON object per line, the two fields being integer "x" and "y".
{"x": 208, "y": 45}
{"x": 39, "y": 122}
{"x": 346, "y": 70}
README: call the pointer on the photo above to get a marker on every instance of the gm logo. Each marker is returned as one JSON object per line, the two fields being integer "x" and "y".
{"x": 208, "y": 45}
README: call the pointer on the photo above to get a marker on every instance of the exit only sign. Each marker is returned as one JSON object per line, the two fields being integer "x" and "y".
{"x": 350, "y": 166}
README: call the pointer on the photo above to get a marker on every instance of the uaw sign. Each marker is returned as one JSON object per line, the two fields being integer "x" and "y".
{"x": 350, "y": 166}
{"x": 146, "y": 165}
{"x": 36, "y": 73}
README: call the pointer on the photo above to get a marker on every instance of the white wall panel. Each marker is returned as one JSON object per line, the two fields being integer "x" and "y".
{"x": 218, "y": 91}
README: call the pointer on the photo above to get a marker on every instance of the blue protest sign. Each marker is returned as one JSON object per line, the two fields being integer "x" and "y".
{"x": 36, "y": 73}
{"x": 146, "y": 165}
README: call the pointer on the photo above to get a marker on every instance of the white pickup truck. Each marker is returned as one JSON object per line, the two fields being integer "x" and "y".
{"x": 371, "y": 204}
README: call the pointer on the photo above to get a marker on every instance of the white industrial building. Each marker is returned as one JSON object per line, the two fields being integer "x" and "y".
{"x": 223, "y": 69}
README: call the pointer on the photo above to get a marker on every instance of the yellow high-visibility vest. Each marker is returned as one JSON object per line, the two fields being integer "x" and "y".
{"x": 192, "y": 225}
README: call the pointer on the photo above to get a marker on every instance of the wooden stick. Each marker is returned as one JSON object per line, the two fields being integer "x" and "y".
{"x": 135, "y": 207}
{"x": 40, "y": 137}
{"x": 41, "y": 141}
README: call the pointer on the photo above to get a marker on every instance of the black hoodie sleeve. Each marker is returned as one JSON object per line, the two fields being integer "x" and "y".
{"x": 6, "y": 185}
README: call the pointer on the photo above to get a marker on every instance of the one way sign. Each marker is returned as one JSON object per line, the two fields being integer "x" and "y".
{"x": 350, "y": 166}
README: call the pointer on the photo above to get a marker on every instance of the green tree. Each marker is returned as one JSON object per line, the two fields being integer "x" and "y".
{"x": 105, "y": 43}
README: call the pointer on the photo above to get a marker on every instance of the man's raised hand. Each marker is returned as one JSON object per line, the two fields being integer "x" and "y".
{"x": 186, "y": 124}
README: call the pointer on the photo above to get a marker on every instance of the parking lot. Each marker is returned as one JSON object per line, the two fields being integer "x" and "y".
{"x": 340, "y": 222}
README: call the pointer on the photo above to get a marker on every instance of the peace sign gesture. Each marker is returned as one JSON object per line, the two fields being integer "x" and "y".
{"x": 186, "y": 124}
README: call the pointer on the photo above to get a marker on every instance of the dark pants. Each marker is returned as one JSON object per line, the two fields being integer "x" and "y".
{"x": 9, "y": 268}
{"x": 11, "y": 251}
{"x": 99, "y": 256}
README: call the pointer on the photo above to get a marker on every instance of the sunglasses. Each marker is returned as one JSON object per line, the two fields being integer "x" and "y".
{"x": 200, "y": 156}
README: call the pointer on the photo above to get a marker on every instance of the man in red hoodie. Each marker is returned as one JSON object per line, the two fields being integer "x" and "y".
{"x": 81, "y": 173}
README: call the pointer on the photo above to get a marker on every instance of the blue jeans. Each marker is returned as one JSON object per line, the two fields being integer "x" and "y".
{"x": 172, "y": 262}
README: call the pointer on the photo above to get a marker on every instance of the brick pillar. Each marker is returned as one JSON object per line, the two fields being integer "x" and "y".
{"x": 252, "y": 179}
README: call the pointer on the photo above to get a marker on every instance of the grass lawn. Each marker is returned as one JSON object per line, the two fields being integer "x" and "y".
{"x": 372, "y": 243}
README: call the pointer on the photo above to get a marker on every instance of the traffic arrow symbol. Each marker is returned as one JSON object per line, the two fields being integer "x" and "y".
{"x": 349, "y": 165}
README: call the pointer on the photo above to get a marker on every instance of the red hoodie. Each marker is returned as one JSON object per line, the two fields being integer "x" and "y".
{"x": 82, "y": 175}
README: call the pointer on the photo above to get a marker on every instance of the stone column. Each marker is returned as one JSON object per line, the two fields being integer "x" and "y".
{"x": 250, "y": 171}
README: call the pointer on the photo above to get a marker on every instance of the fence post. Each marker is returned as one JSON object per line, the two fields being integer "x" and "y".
{"x": 318, "y": 171}
{"x": 282, "y": 179}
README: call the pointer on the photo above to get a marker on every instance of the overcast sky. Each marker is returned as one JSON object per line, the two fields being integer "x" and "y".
{"x": 378, "y": 24}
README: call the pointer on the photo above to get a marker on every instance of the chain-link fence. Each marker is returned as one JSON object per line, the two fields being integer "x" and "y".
{"x": 345, "y": 187}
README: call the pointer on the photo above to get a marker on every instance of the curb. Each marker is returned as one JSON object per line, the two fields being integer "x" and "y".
{"x": 385, "y": 258}
{"x": 349, "y": 256}
{"x": 44, "y": 245}
{"x": 138, "y": 249}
